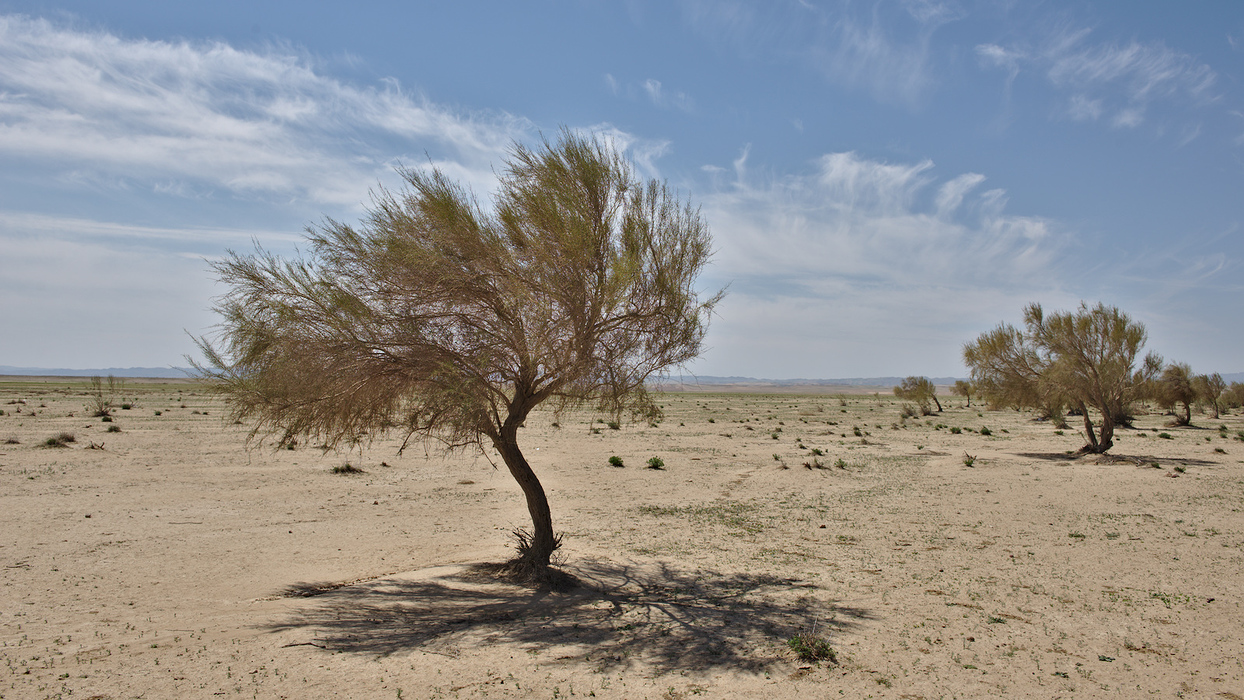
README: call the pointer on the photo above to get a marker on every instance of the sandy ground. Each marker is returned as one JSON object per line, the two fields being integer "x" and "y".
{"x": 173, "y": 563}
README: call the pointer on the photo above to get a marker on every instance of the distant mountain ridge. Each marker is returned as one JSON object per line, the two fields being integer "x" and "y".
{"x": 846, "y": 381}
{"x": 705, "y": 379}
{"x": 156, "y": 372}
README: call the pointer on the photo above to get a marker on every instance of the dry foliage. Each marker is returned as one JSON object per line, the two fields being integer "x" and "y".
{"x": 444, "y": 320}
{"x": 1080, "y": 359}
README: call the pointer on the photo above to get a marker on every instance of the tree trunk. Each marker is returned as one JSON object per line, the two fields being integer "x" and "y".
{"x": 939, "y": 403}
{"x": 1105, "y": 438}
{"x": 1096, "y": 444}
{"x": 1187, "y": 414}
{"x": 533, "y": 561}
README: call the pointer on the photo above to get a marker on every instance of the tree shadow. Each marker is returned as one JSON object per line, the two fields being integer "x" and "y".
{"x": 620, "y": 614}
{"x": 1114, "y": 458}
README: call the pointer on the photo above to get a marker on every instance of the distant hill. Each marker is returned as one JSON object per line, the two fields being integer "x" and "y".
{"x": 702, "y": 380}
{"x": 851, "y": 381}
{"x": 158, "y": 372}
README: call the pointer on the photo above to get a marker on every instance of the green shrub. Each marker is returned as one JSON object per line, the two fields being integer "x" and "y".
{"x": 614, "y": 425}
{"x": 113, "y": 429}
{"x": 1165, "y": 436}
{"x": 60, "y": 440}
{"x": 347, "y": 468}
{"x": 956, "y": 430}
{"x": 811, "y": 648}
{"x": 616, "y": 461}
{"x": 986, "y": 431}
{"x": 968, "y": 460}
{"x": 656, "y": 463}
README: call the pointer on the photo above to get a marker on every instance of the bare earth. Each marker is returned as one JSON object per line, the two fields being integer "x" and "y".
{"x": 173, "y": 563}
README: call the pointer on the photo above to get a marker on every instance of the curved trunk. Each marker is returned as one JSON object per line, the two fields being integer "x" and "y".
{"x": 534, "y": 554}
{"x": 1097, "y": 445}
{"x": 939, "y": 403}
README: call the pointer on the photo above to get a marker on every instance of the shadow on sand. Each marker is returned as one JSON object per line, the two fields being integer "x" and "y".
{"x": 1112, "y": 458}
{"x": 670, "y": 619}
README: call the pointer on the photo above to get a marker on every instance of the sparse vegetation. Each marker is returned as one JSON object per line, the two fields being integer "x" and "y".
{"x": 810, "y": 648}
{"x": 616, "y": 461}
{"x": 656, "y": 463}
{"x": 347, "y": 468}
{"x": 60, "y": 440}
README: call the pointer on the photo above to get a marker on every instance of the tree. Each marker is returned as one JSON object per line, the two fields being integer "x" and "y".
{"x": 964, "y": 389}
{"x": 444, "y": 321}
{"x": 920, "y": 390}
{"x": 1233, "y": 397}
{"x": 1080, "y": 359}
{"x": 1174, "y": 387}
{"x": 1209, "y": 389}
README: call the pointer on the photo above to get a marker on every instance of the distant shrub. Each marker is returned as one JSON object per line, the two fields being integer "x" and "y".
{"x": 811, "y": 648}
{"x": 956, "y": 430}
{"x": 347, "y": 468}
{"x": 656, "y": 463}
{"x": 616, "y": 461}
{"x": 614, "y": 425}
{"x": 1165, "y": 436}
{"x": 986, "y": 431}
{"x": 60, "y": 440}
{"x": 113, "y": 429}
{"x": 968, "y": 460}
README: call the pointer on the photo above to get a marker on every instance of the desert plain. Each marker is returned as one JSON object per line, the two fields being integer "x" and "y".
{"x": 166, "y": 559}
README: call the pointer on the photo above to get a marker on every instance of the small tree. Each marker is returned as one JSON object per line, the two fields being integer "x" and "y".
{"x": 1209, "y": 389}
{"x": 964, "y": 389}
{"x": 920, "y": 390}
{"x": 1174, "y": 387}
{"x": 1082, "y": 359}
{"x": 1233, "y": 397}
{"x": 443, "y": 321}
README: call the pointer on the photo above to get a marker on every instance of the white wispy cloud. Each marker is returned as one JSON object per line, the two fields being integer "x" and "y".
{"x": 883, "y": 48}
{"x": 1119, "y": 82}
{"x": 859, "y": 248}
{"x": 256, "y": 124}
{"x": 653, "y": 91}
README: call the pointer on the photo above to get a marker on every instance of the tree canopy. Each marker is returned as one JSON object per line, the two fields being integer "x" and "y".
{"x": 443, "y": 320}
{"x": 921, "y": 390}
{"x": 1084, "y": 359}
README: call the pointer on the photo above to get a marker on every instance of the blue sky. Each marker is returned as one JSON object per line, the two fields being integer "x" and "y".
{"x": 884, "y": 180}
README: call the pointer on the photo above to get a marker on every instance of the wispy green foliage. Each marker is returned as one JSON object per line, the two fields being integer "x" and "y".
{"x": 441, "y": 319}
{"x": 920, "y": 390}
{"x": 1081, "y": 359}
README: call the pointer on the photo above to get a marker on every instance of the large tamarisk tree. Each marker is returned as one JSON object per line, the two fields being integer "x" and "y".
{"x": 1085, "y": 359}
{"x": 441, "y": 320}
